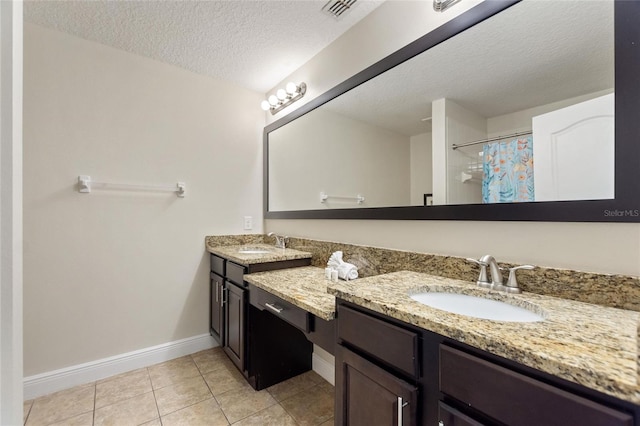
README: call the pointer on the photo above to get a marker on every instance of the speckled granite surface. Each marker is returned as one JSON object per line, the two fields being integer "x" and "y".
{"x": 304, "y": 287}
{"x": 588, "y": 344}
{"x": 274, "y": 254}
{"x": 232, "y": 240}
{"x": 618, "y": 291}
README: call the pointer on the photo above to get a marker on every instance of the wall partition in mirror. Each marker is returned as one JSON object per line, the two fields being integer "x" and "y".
{"x": 511, "y": 111}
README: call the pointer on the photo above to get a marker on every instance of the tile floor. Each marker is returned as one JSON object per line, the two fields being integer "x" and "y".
{"x": 204, "y": 388}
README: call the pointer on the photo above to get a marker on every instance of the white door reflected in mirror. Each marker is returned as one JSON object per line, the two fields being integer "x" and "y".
{"x": 574, "y": 152}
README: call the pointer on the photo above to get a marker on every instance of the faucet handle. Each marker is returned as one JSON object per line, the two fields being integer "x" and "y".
{"x": 512, "y": 282}
{"x": 483, "y": 279}
{"x": 284, "y": 240}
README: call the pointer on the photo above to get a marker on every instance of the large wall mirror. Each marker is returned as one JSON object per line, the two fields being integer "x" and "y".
{"x": 511, "y": 111}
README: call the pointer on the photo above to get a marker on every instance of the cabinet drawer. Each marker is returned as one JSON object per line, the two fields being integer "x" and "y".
{"x": 515, "y": 399}
{"x": 389, "y": 343}
{"x": 451, "y": 417}
{"x": 217, "y": 265}
{"x": 294, "y": 315}
{"x": 235, "y": 273}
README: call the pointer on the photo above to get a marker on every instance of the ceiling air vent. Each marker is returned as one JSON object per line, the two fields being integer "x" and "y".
{"x": 336, "y": 8}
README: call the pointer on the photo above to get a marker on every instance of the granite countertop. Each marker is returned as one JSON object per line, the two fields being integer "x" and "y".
{"x": 588, "y": 344}
{"x": 275, "y": 254}
{"x": 305, "y": 287}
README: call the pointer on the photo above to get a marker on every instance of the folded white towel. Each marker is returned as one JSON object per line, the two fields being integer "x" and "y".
{"x": 335, "y": 260}
{"x": 346, "y": 271}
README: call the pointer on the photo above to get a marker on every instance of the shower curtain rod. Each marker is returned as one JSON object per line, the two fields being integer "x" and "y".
{"x": 497, "y": 138}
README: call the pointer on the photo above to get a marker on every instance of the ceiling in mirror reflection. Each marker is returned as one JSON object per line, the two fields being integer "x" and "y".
{"x": 532, "y": 54}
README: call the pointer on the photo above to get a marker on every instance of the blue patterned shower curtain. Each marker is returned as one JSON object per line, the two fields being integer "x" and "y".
{"x": 508, "y": 171}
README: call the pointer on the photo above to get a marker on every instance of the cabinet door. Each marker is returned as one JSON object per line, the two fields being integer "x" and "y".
{"x": 234, "y": 324}
{"x": 216, "y": 311}
{"x": 369, "y": 395}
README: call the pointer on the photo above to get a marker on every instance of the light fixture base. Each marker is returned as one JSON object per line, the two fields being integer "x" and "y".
{"x": 442, "y": 5}
{"x": 302, "y": 89}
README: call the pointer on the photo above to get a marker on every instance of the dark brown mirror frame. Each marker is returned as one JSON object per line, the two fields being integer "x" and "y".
{"x": 624, "y": 208}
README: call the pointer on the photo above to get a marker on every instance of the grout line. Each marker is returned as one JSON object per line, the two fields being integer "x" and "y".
{"x": 253, "y": 414}
{"x": 214, "y": 398}
{"x": 290, "y": 414}
{"x": 260, "y": 411}
{"x": 95, "y": 397}
{"x": 24, "y": 421}
{"x": 154, "y": 397}
{"x": 182, "y": 408}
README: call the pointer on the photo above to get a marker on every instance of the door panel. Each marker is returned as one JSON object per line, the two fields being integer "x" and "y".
{"x": 217, "y": 283}
{"x": 573, "y": 152}
{"x": 372, "y": 396}
{"x": 234, "y": 324}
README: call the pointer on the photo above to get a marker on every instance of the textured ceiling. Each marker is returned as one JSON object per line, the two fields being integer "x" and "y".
{"x": 534, "y": 53}
{"x": 255, "y": 44}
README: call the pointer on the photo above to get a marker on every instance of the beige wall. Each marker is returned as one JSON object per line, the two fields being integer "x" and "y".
{"x": 597, "y": 247}
{"x": 327, "y": 152}
{"x": 421, "y": 168}
{"x": 112, "y": 272}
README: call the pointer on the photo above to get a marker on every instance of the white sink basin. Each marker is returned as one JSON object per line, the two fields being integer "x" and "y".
{"x": 253, "y": 250}
{"x": 477, "y": 307}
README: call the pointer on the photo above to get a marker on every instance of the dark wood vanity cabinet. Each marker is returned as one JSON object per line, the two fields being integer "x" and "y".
{"x": 371, "y": 395}
{"x": 234, "y": 314}
{"x": 390, "y": 373}
{"x": 216, "y": 297}
{"x": 279, "y": 348}
{"x": 230, "y": 318}
{"x": 377, "y": 371}
{"x": 235, "y": 323}
{"x": 449, "y": 416}
{"x": 514, "y": 398}
{"x": 216, "y": 321}
{"x": 228, "y": 308}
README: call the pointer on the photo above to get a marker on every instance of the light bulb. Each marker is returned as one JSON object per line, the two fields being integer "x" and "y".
{"x": 292, "y": 88}
{"x": 265, "y": 105}
{"x": 273, "y": 100}
{"x": 281, "y": 94}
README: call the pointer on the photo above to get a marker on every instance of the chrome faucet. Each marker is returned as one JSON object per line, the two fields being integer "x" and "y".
{"x": 281, "y": 241}
{"x": 494, "y": 269}
{"x": 496, "y": 282}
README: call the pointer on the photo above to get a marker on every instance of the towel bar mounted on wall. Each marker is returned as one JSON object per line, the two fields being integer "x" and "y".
{"x": 85, "y": 184}
{"x": 358, "y": 198}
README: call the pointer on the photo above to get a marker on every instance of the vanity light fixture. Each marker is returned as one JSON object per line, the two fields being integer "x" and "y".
{"x": 284, "y": 97}
{"x": 442, "y": 5}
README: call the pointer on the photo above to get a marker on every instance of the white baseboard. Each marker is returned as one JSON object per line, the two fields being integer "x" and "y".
{"x": 52, "y": 381}
{"x": 324, "y": 368}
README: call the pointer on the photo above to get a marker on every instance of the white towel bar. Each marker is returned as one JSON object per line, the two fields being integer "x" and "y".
{"x": 85, "y": 184}
{"x": 358, "y": 198}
